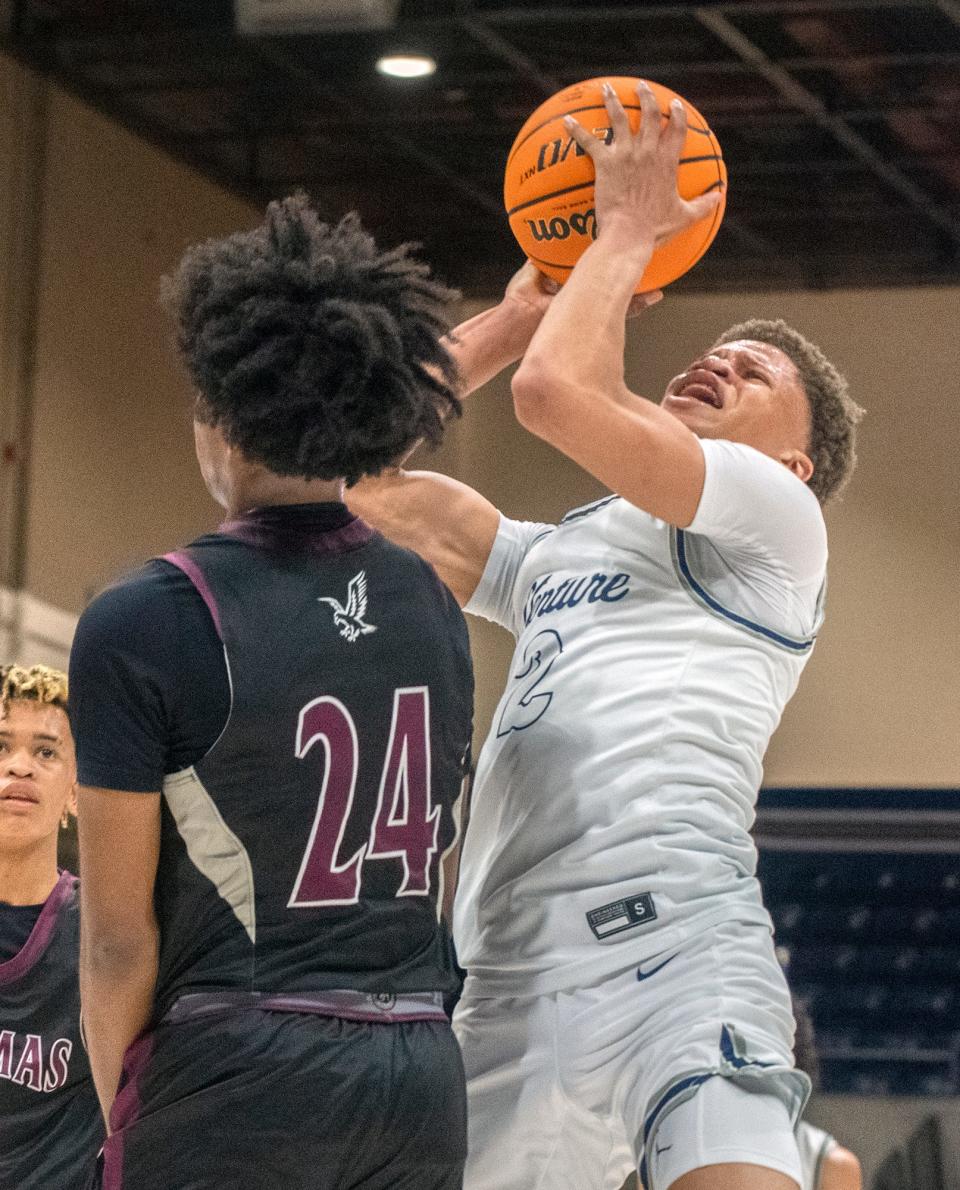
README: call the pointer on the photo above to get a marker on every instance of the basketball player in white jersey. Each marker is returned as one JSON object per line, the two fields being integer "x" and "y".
{"x": 624, "y": 1007}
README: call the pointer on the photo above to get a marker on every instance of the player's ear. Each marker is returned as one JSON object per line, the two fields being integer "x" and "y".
{"x": 799, "y": 463}
{"x": 70, "y": 807}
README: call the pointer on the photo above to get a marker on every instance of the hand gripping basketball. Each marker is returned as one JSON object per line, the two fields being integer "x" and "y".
{"x": 531, "y": 292}
{"x": 635, "y": 190}
{"x": 548, "y": 183}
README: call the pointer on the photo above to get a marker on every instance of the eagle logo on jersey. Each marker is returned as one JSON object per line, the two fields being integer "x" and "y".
{"x": 349, "y": 619}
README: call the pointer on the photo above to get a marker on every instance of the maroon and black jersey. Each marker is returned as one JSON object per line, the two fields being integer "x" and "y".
{"x": 302, "y": 852}
{"x": 51, "y": 1128}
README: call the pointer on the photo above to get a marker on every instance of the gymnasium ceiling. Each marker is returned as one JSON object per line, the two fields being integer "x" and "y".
{"x": 838, "y": 118}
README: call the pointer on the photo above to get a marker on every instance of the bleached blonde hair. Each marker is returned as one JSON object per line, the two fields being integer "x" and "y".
{"x": 39, "y": 683}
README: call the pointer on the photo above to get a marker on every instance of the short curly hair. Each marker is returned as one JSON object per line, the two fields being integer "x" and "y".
{"x": 833, "y": 412}
{"x": 39, "y": 683}
{"x": 314, "y": 353}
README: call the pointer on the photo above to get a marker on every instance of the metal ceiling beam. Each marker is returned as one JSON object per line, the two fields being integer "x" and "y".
{"x": 169, "y": 42}
{"x": 798, "y": 95}
{"x": 534, "y": 14}
{"x": 880, "y": 111}
{"x": 735, "y": 69}
{"x": 507, "y": 52}
{"x": 486, "y": 202}
{"x": 531, "y": 14}
{"x": 812, "y": 7}
{"x": 808, "y": 166}
{"x": 868, "y": 61}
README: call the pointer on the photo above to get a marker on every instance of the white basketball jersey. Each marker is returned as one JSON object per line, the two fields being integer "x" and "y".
{"x": 615, "y": 794}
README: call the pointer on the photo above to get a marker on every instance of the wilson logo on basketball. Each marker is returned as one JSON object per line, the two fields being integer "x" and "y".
{"x": 549, "y": 176}
{"x": 558, "y": 228}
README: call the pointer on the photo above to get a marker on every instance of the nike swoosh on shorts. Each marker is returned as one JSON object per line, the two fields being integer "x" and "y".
{"x": 641, "y": 975}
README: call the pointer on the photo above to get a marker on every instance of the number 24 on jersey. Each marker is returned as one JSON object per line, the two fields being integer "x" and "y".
{"x": 405, "y": 823}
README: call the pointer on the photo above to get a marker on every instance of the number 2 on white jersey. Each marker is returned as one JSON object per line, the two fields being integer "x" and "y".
{"x": 405, "y": 823}
{"x": 527, "y": 702}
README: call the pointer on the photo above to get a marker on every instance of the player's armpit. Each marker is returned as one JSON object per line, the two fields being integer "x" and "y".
{"x": 840, "y": 1171}
{"x": 631, "y": 445}
{"x": 444, "y": 521}
{"x": 119, "y": 848}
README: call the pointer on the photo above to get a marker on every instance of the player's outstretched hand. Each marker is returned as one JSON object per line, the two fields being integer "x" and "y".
{"x": 636, "y": 183}
{"x": 530, "y": 289}
{"x": 533, "y": 291}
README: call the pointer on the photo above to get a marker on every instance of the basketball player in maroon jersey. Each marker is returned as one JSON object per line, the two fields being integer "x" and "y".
{"x": 273, "y": 726}
{"x": 50, "y": 1123}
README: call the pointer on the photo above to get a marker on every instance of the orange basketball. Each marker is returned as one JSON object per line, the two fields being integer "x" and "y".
{"x": 548, "y": 187}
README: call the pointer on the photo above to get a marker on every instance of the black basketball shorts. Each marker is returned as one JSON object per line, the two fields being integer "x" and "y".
{"x": 258, "y": 1100}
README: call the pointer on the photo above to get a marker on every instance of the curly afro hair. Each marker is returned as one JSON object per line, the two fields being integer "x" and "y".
{"x": 833, "y": 412}
{"x": 314, "y": 353}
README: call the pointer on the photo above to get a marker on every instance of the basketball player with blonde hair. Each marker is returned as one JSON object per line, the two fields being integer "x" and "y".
{"x": 624, "y": 1007}
{"x": 50, "y": 1123}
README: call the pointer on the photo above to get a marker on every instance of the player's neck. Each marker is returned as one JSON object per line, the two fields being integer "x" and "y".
{"x": 265, "y": 489}
{"x": 27, "y": 877}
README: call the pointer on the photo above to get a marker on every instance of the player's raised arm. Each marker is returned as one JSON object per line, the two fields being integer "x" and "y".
{"x": 442, "y": 520}
{"x": 570, "y": 389}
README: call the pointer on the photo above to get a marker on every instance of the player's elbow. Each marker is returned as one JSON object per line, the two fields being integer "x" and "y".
{"x": 539, "y": 398}
{"x": 527, "y": 397}
{"x": 111, "y": 951}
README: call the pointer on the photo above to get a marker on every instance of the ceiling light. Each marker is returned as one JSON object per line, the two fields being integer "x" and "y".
{"x": 406, "y": 66}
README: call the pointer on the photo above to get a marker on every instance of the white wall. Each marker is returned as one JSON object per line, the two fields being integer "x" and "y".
{"x": 33, "y": 631}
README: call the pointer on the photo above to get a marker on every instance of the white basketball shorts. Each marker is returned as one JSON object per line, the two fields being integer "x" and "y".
{"x": 684, "y": 1062}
